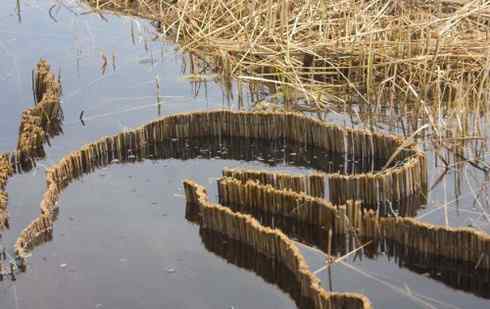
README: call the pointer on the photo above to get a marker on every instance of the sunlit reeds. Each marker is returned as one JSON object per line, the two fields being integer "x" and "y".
{"x": 404, "y": 63}
{"x": 37, "y": 124}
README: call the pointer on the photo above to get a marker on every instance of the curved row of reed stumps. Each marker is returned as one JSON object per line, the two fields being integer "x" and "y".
{"x": 354, "y": 199}
{"x": 37, "y": 125}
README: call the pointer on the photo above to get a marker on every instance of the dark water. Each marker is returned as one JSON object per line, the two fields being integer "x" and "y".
{"x": 122, "y": 240}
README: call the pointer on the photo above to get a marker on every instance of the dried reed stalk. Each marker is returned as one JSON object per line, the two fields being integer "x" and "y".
{"x": 43, "y": 119}
{"x": 273, "y": 244}
{"x": 294, "y": 127}
{"x": 37, "y": 123}
{"x": 461, "y": 244}
{"x": 408, "y": 174}
{"x": 426, "y": 58}
{"x": 6, "y": 171}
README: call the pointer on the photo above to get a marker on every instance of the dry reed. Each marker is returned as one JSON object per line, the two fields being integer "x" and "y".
{"x": 5, "y": 172}
{"x": 409, "y": 169}
{"x": 461, "y": 244}
{"x": 402, "y": 65}
{"x": 428, "y": 59}
{"x": 36, "y": 125}
{"x": 273, "y": 244}
{"x": 43, "y": 119}
{"x": 294, "y": 127}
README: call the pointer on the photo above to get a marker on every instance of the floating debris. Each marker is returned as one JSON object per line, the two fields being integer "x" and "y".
{"x": 200, "y": 77}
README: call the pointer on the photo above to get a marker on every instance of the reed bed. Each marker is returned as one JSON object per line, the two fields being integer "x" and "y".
{"x": 312, "y": 185}
{"x": 36, "y": 125}
{"x": 417, "y": 248}
{"x": 396, "y": 65}
{"x": 428, "y": 59}
{"x": 288, "y": 203}
{"x": 456, "y": 275}
{"x": 244, "y": 256}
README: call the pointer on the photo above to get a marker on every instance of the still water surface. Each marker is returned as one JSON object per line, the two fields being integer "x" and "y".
{"x": 122, "y": 240}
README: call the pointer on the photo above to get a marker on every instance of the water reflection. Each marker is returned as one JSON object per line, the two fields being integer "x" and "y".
{"x": 247, "y": 258}
{"x": 456, "y": 274}
{"x": 270, "y": 152}
{"x": 84, "y": 93}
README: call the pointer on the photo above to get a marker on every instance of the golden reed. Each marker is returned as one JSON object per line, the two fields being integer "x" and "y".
{"x": 313, "y": 185}
{"x": 43, "y": 119}
{"x": 5, "y": 172}
{"x": 271, "y": 243}
{"x": 293, "y": 127}
{"x": 407, "y": 177}
{"x": 462, "y": 244}
{"x": 36, "y": 125}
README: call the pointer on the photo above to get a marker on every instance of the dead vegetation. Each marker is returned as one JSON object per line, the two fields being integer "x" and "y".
{"x": 343, "y": 219}
{"x": 426, "y": 59}
{"x": 429, "y": 57}
{"x": 466, "y": 245}
{"x": 418, "y": 68}
{"x": 5, "y": 172}
{"x": 42, "y": 120}
{"x": 37, "y": 124}
{"x": 392, "y": 65}
{"x": 272, "y": 243}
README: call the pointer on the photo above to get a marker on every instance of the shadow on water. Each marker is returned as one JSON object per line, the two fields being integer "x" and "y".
{"x": 455, "y": 274}
{"x": 247, "y": 258}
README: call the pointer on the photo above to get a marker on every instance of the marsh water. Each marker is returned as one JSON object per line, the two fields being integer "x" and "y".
{"x": 122, "y": 239}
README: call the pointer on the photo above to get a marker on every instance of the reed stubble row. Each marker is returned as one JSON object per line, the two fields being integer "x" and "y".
{"x": 271, "y": 243}
{"x": 36, "y": 125}
{"x": 313, "y": 185}
{"x": 460, "y": 244}
{"x": 393, "y": 184}
{"x": 291, "y": 127}
{"x": 245, "y": 257}
{"x": 43, "y": 119}
{"x": 5, "y": 172}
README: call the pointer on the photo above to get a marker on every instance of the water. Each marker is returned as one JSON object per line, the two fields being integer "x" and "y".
{"x": 122, "y": 240}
